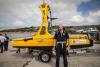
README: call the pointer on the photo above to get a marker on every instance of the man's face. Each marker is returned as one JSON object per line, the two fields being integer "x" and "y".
{"x": 60, "y": 27}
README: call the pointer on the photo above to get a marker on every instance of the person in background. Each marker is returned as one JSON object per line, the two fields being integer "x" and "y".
{"x": 6, "y": 42}
{"x": 98, "y": 36}
{"x": 2, "y": 39}
{"x": 61, "y": 37}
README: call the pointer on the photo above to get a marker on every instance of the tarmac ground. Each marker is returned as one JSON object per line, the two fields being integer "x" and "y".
{"x": 11, "y": 59}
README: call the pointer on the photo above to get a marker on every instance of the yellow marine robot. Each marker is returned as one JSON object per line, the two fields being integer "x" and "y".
{"x": 44, "y": 41}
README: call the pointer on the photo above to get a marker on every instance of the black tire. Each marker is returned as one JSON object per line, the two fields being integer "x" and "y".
{"x": 45, "y": 56}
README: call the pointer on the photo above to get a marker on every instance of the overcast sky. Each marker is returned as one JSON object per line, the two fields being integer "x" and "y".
{"x": 26, "y": 13}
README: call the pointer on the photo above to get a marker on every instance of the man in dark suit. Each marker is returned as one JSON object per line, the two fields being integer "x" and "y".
{"x": 61, "y": 37}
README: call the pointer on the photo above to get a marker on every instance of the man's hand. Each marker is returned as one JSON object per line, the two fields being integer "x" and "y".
{"x": 53, "y": 51}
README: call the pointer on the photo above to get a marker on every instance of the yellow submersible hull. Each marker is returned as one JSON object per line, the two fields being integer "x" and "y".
{"x": 44, "y": 40}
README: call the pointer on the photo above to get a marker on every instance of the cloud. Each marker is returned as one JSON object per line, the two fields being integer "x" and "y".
{"x": 66, "y": 11}
{"x": 21, "y": 13}
{"x": 91, "y": 19}
{"x": 20, "y": 24}
{"x": 86, "y": 7}
{"x": 77, "y": 19}
{"x": 94, "y": 17}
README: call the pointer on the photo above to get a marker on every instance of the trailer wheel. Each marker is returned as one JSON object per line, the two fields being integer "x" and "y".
{"x": 45, "y": 57}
